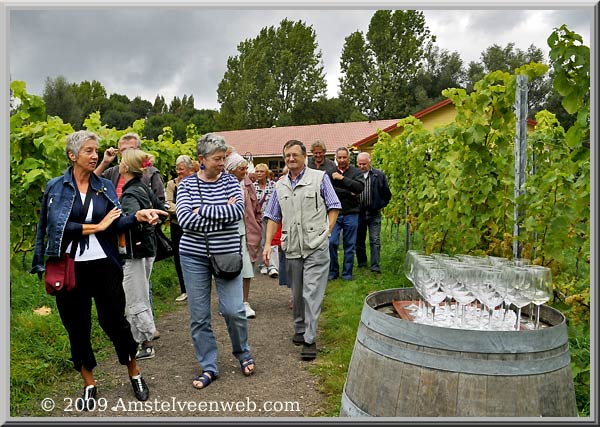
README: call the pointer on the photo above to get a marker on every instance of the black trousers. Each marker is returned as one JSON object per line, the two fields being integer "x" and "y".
{"x": 176, "y": 234}
{"x": 101, "y": 280}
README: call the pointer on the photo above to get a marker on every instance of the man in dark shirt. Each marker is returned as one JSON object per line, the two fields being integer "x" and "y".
{"x": 318, "y": 159}
{"x": 348, "y": 182}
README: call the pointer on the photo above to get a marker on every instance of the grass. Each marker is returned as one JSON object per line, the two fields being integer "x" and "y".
{"x": 340, "y": 318}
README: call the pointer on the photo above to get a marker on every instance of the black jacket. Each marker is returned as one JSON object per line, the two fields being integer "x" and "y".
{"x": 136, "y": 195}
{"x": 151, "y": 178}
{"x": 380, "y": 190}
{"x": 348, "y": 189}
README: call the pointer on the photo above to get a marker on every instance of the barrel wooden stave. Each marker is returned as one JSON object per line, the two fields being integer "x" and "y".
{"x": 380, "y": 383}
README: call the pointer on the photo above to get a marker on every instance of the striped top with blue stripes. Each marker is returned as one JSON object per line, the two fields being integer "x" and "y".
{"x": 215, "y": 217}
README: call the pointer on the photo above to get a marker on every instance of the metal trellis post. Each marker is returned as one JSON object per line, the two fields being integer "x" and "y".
{"x": 520, "y": 159}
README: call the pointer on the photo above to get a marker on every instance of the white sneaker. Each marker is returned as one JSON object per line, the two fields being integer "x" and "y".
{"x": 250, "y": 314}
{"x": 273, "y": 273}
{"x": 181, "y": 297}
{"x": 264, "y": 270}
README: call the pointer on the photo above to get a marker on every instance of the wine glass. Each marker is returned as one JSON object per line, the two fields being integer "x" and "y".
{"x": 434, "y": 289}
{"x": 489, "y": 290}
{"x": 464, "y": 276}
{"x": 541, "y": 278}
{"x": 519, "y": 286}
{"x": 409, "y": 264}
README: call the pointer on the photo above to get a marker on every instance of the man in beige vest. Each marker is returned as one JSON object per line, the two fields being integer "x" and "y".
{"x": 306, "y": 204}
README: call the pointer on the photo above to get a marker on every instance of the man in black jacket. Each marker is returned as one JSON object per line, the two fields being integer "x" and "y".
{"x": 375, "y": 197}
{"x": 348, "y": 182}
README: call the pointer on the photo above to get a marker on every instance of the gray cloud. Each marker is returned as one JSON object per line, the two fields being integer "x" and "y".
{"x": 141, "y": 51}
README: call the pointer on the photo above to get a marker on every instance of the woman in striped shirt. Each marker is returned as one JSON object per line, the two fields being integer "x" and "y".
{"x": 209, "y": 207}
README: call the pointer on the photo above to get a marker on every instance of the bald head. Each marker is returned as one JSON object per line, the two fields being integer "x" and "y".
{"x": 363, "y": 161}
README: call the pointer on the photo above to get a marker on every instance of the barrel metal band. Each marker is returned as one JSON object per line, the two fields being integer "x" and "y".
{"x": 349, "y": 408}
{"x": 474, "y": 341}
{"x": 463, "y": 364}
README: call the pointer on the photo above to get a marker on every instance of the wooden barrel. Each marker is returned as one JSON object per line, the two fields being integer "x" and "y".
{"x": 405, "y": 369}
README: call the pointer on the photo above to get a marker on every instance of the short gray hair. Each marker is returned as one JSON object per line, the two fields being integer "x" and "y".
{"x": 131, "y": 135}
{"x": 76, "y": 140}
{"x": 186, "y": 160}
{"x": 209, "y": 144}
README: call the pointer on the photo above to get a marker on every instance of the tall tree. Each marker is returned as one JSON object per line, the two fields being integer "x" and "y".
{"x": 61, "y": 101}
{"x": 378, "y": 71}
{"x": 274, "y": 72}
{"x": 91, "y": 97}
{"x": 441, "y": 70}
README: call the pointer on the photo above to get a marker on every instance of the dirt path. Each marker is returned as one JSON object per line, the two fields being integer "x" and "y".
{"x": 282, "y": 385}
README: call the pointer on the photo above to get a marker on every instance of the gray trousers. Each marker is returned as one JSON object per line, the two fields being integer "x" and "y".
{"x": 308, "y": 277}
{"x": 138, "y": 310}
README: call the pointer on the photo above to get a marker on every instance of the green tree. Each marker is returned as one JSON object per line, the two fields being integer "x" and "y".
{"x": 441, "y": 70}
{"x": 334, "y": 110}
{"x": 61, "y": 101}
{"x": 277, "y": 70}
{"x": 140, "y": 107}
{"x": 378, "y": 70}
{"x": 91, "y": 97}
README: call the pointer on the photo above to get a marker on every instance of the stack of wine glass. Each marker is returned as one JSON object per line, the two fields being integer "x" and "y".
{"x": 476, "y": 292}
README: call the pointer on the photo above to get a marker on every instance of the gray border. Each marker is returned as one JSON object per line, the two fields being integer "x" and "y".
{"x": 5, "y": 7}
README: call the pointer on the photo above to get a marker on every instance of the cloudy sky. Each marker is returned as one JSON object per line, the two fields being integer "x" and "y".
{"x": 141, "y": 51}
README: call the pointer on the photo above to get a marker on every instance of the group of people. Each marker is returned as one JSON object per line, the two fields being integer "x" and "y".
{"x": 290, "y": 227}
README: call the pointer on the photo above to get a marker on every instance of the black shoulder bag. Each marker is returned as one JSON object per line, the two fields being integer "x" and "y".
{"x": 224, "y": 266}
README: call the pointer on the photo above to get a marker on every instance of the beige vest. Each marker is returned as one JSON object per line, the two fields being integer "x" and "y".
{"x": 305, "y": 225}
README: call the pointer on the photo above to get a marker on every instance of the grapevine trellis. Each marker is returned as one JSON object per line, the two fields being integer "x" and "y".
{"x": 455, "y": 186}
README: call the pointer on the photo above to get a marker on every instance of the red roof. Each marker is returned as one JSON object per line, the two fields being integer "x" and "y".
{"x": 268, "y": 142}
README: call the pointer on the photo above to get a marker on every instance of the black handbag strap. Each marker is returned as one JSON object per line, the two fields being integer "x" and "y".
{"x": 204, "y": 232}
{"x": 86, "y": 206}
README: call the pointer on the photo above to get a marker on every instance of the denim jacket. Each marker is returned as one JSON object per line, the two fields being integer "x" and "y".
{"x": 57, "y": 203}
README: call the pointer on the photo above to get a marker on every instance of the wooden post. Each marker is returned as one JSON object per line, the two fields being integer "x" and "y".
{"x": 520, "y": 159}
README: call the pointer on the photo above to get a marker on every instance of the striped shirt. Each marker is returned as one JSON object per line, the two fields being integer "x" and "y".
{"x": 365, "y": 196}
{"x": 273, "y": 210}
{"x": 215, "y": 217}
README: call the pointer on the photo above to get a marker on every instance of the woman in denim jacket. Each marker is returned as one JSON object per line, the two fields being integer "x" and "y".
{"x": 98, "y": 267}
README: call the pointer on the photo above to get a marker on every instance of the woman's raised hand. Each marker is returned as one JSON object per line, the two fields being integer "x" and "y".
{"x": 110, "y": 217}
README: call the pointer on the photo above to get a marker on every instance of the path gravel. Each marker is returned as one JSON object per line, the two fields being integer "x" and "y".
{"x": 281, "y": 387}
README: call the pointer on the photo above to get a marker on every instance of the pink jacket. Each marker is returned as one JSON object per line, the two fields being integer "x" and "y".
{"x": 252, "y": 220}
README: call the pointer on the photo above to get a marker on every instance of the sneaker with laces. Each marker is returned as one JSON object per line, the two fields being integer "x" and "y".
{"x": 87, "y": 402}
{"x": 181, "y": 297}
{"x": 273, "y": 273}
{"x": 250, "y": 314}
{"x": 140, "y": 388}
{"x": 264, "y": 270}
{"x": 146, "y": 352}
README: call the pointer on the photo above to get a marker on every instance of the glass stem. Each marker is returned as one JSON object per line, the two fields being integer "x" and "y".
{"x": 518, "y": 325}
{"x": 537, "y": 318}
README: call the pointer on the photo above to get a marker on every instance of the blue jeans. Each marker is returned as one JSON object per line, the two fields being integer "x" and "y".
{"x": 348, "y": 223}
{"x": 372, "y": 223}
{"x": 198, "y": 283}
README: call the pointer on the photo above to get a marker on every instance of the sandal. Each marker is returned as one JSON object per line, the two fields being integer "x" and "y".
{"x": 204, "y": 379}
{"x": 245, "y": 364}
